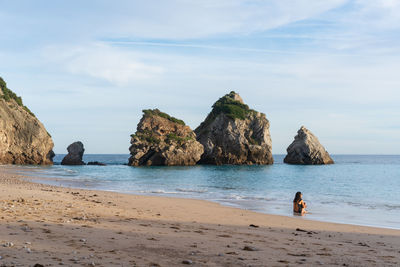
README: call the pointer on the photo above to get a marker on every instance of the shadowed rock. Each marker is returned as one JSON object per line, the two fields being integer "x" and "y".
{"x": 23, "y": 138}
{"x": 96, "y": 163}
{"x": 75, "y": 154}
{"x": 234, "y": 134}
{"x": 307, "y": 150}
{"x": 163, "y": 140}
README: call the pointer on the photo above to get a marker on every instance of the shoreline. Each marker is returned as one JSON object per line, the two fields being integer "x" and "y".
{"x": 225, "y": 203}
{"x": 54, "y": 225}
{"x": 208, "y": 202}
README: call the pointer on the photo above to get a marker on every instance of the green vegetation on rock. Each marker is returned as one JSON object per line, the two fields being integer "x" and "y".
{"x": 178, "y": 139}
{"x": 9, "y": 95}
{"x": 232, "y": 108}
{"x": 147, "y": 136}
{"x": 157, "y": 112}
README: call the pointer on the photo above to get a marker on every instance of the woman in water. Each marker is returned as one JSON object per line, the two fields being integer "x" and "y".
{"x": 299, "y": 206}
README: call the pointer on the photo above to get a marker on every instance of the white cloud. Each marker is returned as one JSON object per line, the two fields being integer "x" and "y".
{"x": 380, "y": 14}
{"x": 183, "y": 19}
{"x": 172, "y": 19}
{"x": 104, "y": 62}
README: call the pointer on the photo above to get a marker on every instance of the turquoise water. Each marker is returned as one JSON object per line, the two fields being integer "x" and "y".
{"x": 358, "y": 189}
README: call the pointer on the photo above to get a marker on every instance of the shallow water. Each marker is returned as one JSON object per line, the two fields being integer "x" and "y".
{"x": 358, "y": 189}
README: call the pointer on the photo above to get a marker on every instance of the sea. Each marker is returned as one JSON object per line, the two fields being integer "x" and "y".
{"x": 357, "y": 189}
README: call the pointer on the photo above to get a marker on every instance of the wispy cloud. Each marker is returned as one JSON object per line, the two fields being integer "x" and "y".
{"x": 103, "y": 62}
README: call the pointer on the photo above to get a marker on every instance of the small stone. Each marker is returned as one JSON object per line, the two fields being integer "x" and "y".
{"x": 83, "y": 240}
{"x": 250, "y": 248}
{"x": 8, "y": 244}
{"x": 188, "y": 262}
{"x": 26, "y": 229}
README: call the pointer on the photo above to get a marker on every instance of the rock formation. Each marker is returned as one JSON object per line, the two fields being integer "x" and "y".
{"x": 306, "y": 149}
{"x": 96, "y": 163}
{"x": 234, "y": 134}
{"x": 23, "y": 138}
{"x": 163, "y": 140}
{"x": 75, "y": 154}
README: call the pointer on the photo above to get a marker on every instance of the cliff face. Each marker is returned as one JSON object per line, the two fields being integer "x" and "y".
{"x": 23, "y": 138}
{"x": 163, "y": 140}
{"x": 234, "y": 134}
{"x": 306, "y": 149}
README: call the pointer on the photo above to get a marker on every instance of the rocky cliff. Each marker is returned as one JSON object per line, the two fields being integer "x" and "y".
{"x": 163, "y": 140}
{"x": 234, "y": 134}
{"x": 306, "y": 149}
{"x": 75, "y": 154}
{"x": 23, "y": 139}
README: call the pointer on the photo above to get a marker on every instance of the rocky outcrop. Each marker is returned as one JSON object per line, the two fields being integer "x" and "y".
{"x": 75, "y": 154}
{"x": 306, "y": 149}
{"x": 23, "y": 138}
{"x": 163, "y": 140}
{"x": 96, "y": 163}
{"x": 234, "y": 134}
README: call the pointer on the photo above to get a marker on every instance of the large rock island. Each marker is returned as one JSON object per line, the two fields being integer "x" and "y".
{"x": 307, "y": 150}
{"x": 23, "y": 138}
{"x": 234, "y": 134}
{"x": 163, "y": 140}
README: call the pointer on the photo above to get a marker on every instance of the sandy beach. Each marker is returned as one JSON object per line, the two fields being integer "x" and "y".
{"x": 51, "y": 226}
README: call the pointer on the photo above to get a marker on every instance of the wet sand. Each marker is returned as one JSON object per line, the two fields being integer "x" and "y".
{"x": 52, "y": 226}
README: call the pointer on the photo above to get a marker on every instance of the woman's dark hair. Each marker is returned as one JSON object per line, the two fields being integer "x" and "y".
{"x": 297, "y": 197}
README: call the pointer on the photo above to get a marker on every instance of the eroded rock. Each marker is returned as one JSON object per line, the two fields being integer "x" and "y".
{"x": 23, "y": 138}
{"x": 75, "y": 154}
{"x": 234, "y": 134}
{"x": 306, "y": 149}
{"x": 163, "y": 140}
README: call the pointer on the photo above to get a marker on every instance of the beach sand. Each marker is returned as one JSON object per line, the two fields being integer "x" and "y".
{"x": 51, "y": 226}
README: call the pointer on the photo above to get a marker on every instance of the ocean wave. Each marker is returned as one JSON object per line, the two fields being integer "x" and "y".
{"x": 374, "y": 206}
{"x": 240, "y": 197}
{"x": 191, "y": 190}
{"x": 392, "y": 207}
{"x": 158, "y": 192}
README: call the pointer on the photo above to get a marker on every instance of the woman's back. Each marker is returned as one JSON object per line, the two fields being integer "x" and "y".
{"x": 299, "y": 206}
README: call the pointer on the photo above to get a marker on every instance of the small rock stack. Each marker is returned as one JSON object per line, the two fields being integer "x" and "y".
{"x": 307, "y": 150}
{"x": 75, "y": 154}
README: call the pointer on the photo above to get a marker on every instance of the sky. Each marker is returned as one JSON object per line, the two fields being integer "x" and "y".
{"x": 87, "y": 69}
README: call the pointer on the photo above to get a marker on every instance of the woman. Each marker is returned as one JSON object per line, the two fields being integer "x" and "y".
{"x": 299, "y": 206}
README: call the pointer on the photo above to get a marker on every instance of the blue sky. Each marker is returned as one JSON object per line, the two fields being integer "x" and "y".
{"x": 88, "y": 68}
